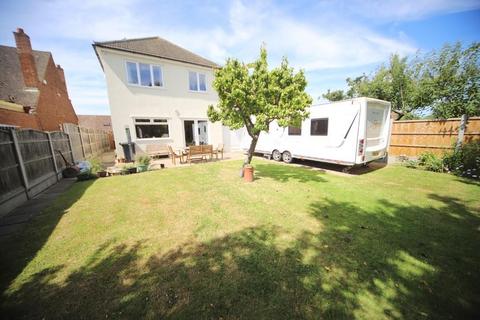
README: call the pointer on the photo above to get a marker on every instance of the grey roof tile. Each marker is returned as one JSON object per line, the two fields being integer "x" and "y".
{"x": 157, "y": 47}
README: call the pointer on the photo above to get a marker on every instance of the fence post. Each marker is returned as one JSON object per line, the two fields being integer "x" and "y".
{"x": 81, "y": 142}
{"x": 53, "y": 156}
{"x": 23, "y": 172}
{"x": 461, "y": 131}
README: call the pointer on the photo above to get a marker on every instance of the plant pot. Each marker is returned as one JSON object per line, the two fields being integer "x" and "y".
{"x": 162, "y": 166}
{"x": 102, "y": 174}
{"x": 248, "y": 173}
{"x": 132, "y": 170}
{"x": 142, "y": 168}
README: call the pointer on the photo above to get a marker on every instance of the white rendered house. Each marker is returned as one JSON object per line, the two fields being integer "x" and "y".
{"x": 159, "y": 93}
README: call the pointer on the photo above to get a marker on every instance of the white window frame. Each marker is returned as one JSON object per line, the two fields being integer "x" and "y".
{"x": 198, "y": 81}
{"x": 139, "y": 84}
{"x": 152, "y": 123}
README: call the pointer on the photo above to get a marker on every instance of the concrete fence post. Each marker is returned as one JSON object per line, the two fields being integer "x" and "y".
{"x": 18, "y": 153}
{"x": 81, "y": 142}
{"x": 52, "y": 151}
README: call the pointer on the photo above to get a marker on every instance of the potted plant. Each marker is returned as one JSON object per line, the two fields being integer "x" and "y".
{"x": 131, "y": 168}
{"x": 142, "y": 163}
{"x": 97, "y": 168}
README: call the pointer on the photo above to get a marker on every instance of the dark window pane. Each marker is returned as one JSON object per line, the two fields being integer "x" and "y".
{"x": 294, "y": 131}
{"x": 145, "y": 79}
{"x": 132, "y": 73}
{"x": 188, "y": 127}
{"x": 160, "y": 120}
{"x": 142, "y": 120}
{"x": 319, "y": 127}
{"x": 151, "y": 131}
{"x": 157, "y": 76}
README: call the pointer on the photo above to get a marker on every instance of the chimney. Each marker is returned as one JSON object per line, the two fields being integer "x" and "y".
{"x": 25, "y": 55}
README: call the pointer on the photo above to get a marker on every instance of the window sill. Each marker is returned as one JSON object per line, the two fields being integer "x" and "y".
{"x": 153, "y": 139}
{"x": 146, "y": 87}
{"x": 197, "y": 91}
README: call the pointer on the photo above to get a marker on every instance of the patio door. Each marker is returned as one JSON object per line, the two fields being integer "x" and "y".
{"x": 196, "y": 132}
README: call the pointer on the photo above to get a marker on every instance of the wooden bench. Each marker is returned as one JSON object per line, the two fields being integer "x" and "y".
{"x": 156, "y": 150}
{"x": 199, "y": 152}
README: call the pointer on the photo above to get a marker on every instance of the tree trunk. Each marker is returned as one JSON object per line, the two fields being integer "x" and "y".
{"x": 251, "y": 150}
{"x": 461, "y": 131}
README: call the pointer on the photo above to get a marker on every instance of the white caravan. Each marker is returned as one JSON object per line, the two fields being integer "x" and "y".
{"x": 349, "y": 132}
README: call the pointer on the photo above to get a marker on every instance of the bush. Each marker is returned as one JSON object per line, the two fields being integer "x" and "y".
{"x": 86, "y": 175}
{"x": 466, "y": 161}
{"x": 143, "y": 160}
{"x": 431, "y": 162}
{"x": 95, "y": 166}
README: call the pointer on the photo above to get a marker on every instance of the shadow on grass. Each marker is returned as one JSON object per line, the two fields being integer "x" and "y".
{"x": 285, "y": 173}
{"x": 14, "y": 258}
{"x": 391, "y": 261}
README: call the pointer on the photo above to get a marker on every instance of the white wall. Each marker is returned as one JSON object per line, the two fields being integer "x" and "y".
{"x": 174, "y": 101}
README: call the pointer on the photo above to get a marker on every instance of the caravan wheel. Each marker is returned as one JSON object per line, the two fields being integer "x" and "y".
{"x": 287, "y": 157}
{"x": 276, "y": 155}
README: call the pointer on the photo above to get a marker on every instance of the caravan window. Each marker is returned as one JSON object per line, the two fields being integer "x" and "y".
{"x": 319, "y": 127}
{"x": 294, "y": 131}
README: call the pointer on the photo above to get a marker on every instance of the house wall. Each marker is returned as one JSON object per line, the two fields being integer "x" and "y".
{"x": 20, "y": 119}
{"x": 174, "y": 101}
{"x": 54, "y": 106}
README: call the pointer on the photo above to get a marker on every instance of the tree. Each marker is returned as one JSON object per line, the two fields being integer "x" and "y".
{"x": 252, "y": 96}
{"x": 335, "y": 95}
{"x": 450, "y": 81}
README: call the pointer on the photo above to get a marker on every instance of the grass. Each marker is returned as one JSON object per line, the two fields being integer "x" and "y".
{"x": 198, "y": 242}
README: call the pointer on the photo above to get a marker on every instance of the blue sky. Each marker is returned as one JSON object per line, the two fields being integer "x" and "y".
{"x": 331, "y": 40}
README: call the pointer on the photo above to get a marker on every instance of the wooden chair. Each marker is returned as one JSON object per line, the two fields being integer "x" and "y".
{"x": 174, "y": 156}
{"x": 218, "y": 150}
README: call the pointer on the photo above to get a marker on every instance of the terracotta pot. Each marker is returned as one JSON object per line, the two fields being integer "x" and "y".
{"x": 248, "y": 174}
{"x": 101, "y": 174}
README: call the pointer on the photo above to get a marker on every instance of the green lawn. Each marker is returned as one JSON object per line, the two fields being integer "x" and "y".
{"x": 197, "y": 242}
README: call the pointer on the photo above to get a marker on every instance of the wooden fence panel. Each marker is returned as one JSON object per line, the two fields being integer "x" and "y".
{"x": 10, "y": 176}
{"x": 413, "y": 137}
{"x": 61, "y": 143}
{"x": 37, "y": 157}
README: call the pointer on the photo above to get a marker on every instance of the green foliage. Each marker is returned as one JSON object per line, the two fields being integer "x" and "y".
{"x": 446, "y": 83}
{"x": 253, "y": 96}
{"x": 143, "y": 160}
{"x": 86, "y": 175}
{"x": 450, "y": 80}
{"x": 465, "y": 161}
{"x": 431, "y": 162}
{"x": 95, "y": 165}
{"x": 335, "y": 95}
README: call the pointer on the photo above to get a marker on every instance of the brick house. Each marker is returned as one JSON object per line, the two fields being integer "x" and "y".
{"x": 33, "y": 92}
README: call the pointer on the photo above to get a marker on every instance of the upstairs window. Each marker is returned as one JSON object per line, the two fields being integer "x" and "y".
{"x": 145, "y": 75}
{"x": 319, "y": 127}
{"x": 294, "y": 131}
{"x": 197, "y": 81}
{"x": 147, "y": 128}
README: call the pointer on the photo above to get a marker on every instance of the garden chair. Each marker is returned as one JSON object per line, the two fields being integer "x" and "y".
{"x": 174, "y": 155}
{"x": 218, "y": 150}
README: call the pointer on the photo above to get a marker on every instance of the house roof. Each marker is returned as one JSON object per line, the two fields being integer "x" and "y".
{"x": 157, "y": 47}
{"x": 12, "y": 85}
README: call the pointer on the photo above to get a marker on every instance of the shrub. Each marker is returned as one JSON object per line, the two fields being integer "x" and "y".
{"x": 465, "y": 161}
{"x": 143, "y": 160}
{"x": 95, "y": 166}
{"x": 431, "y": 162}
{"x": 86, "y": 175}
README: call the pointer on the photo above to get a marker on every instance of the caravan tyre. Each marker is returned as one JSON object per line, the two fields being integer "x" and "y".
{"x": 276, "y": 155}
{"x": 287, "y": 157}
